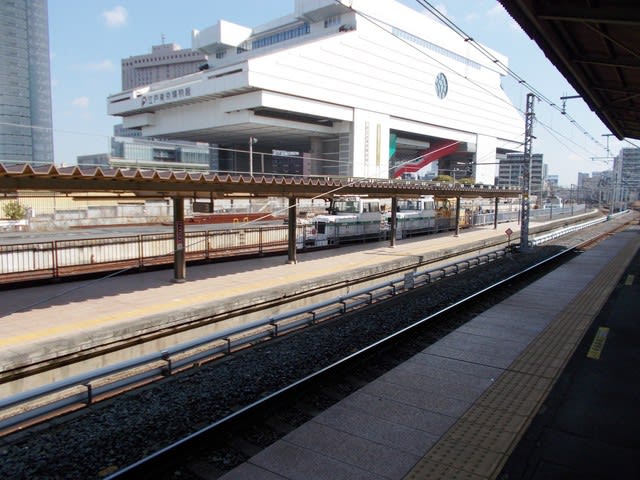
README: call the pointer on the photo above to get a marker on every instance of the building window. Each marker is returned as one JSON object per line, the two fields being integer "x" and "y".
{"x": 434, "y": 48}
{"x": 281, "y": 36}
{"x": 332, "y": 21}
{"x": 221, "y": 53}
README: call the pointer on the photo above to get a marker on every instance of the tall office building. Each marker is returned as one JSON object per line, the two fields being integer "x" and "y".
{"x": 25, "y": 83}
{"x": 510, "y": 172}
{"x": 626, "y": 168}
{"x": 165, "y": 62}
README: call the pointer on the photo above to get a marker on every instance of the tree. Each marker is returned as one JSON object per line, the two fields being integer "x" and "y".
{"x": 14, "y": 210}
{"x": 443, "y": 178}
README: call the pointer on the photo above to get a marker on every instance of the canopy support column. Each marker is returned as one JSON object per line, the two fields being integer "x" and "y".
{"x": 495, "y": 214}
{"x": 179, "y": 258}
{"x": 394, "y": 221}
{"x": 292, "y": 224}
{"x": 457, "y": 216}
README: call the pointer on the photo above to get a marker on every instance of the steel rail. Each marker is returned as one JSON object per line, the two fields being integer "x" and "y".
{"x": 154, "y": 460}
{"x": 84, "y": 389}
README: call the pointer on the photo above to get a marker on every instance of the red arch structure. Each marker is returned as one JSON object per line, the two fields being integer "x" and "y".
{"x": 433, "y": 153}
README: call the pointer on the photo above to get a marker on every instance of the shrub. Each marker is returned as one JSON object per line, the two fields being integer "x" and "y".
{"x": 14, "y": 210}
{"x": 443, "y": 178}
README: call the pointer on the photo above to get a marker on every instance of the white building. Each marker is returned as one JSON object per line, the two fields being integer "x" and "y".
{"x": 355, "y": 89}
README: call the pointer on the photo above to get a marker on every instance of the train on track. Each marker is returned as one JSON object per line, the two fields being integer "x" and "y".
{"x": 354, "y": 219}
{"x": 347, "y": 220}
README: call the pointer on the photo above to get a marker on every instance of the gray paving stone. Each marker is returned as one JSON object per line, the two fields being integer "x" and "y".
{"x": 456, "y": 366}
{"x": 378, "y": 430}
{"x": 496, "y": 359}
{"x": 353, "y": 450}
{"x": 437, "y": 372}
{"x": 460, "y": 339}
{"x": 248, "y": 470}
{"x": 296, "y": 463}
{"x": 490, "y": 348}
{"x": 490, "y": 330}
{"x": 462, "y": 389}
{"x": 431, "y": 401}
{"x": 399, "y": 412}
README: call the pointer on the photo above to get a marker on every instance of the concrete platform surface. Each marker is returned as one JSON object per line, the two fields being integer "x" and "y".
{"x": 459, "y": 409}
{"x": 41, "y": 323}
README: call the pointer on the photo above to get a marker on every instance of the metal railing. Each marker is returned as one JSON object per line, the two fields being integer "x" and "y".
{"x": 60, "y": 258}
{"x": 65, "y": 258}
{"x": 85, "y": 388}
{"x": 540, "y": 239}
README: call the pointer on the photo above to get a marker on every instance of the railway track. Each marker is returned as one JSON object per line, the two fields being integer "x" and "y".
{"x": 216, "y": 400}
{"x": 222, "y": 445}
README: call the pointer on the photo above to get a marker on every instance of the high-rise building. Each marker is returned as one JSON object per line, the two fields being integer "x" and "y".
{"x": 596, "y": 188}
{"x": 165, "y": 62}
{"x": 510, "y": 172}
{"x": 25, "y": 83}
{"x": 626, "y": 168}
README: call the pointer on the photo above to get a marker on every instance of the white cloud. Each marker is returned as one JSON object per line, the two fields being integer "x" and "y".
{"x": 80, "y": 102}
{"x": 116, "y": 17}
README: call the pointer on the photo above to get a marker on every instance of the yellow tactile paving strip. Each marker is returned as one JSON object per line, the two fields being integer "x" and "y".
{"x": 479, "y": 444}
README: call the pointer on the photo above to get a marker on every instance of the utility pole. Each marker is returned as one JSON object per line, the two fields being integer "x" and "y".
{"x": 526, "y": 173}
{"x": 614, "y": 177}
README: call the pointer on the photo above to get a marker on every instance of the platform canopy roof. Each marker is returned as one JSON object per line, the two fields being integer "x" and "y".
{"x": 166, "y": 183}
{"x": 595, "y": 44}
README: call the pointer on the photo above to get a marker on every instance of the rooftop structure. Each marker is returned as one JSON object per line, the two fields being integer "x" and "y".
{"x": 165, "y": 62}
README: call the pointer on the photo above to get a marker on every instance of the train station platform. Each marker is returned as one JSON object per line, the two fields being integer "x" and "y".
{"x": 541, "y": 386}
{"x": 42, "y": 325}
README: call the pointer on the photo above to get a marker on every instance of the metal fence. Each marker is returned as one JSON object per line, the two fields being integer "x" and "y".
{"x": 60, "y": 258}
{"x": 65, "y": 258}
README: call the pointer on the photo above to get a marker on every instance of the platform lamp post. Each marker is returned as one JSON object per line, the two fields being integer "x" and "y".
{"x": 252, "y": 142}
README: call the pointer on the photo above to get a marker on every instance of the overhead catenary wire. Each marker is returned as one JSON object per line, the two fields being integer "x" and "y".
{"x": 380, "y": 22}
{"x": 467, "y": 38}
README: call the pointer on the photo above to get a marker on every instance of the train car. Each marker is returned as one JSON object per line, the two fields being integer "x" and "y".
{"x": 414, "y": 216}
{"x": 353, "y": 219}
{"x": 350, "y": 219}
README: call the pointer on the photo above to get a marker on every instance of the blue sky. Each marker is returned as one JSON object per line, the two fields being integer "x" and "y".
{"x": 88, "y": 40}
